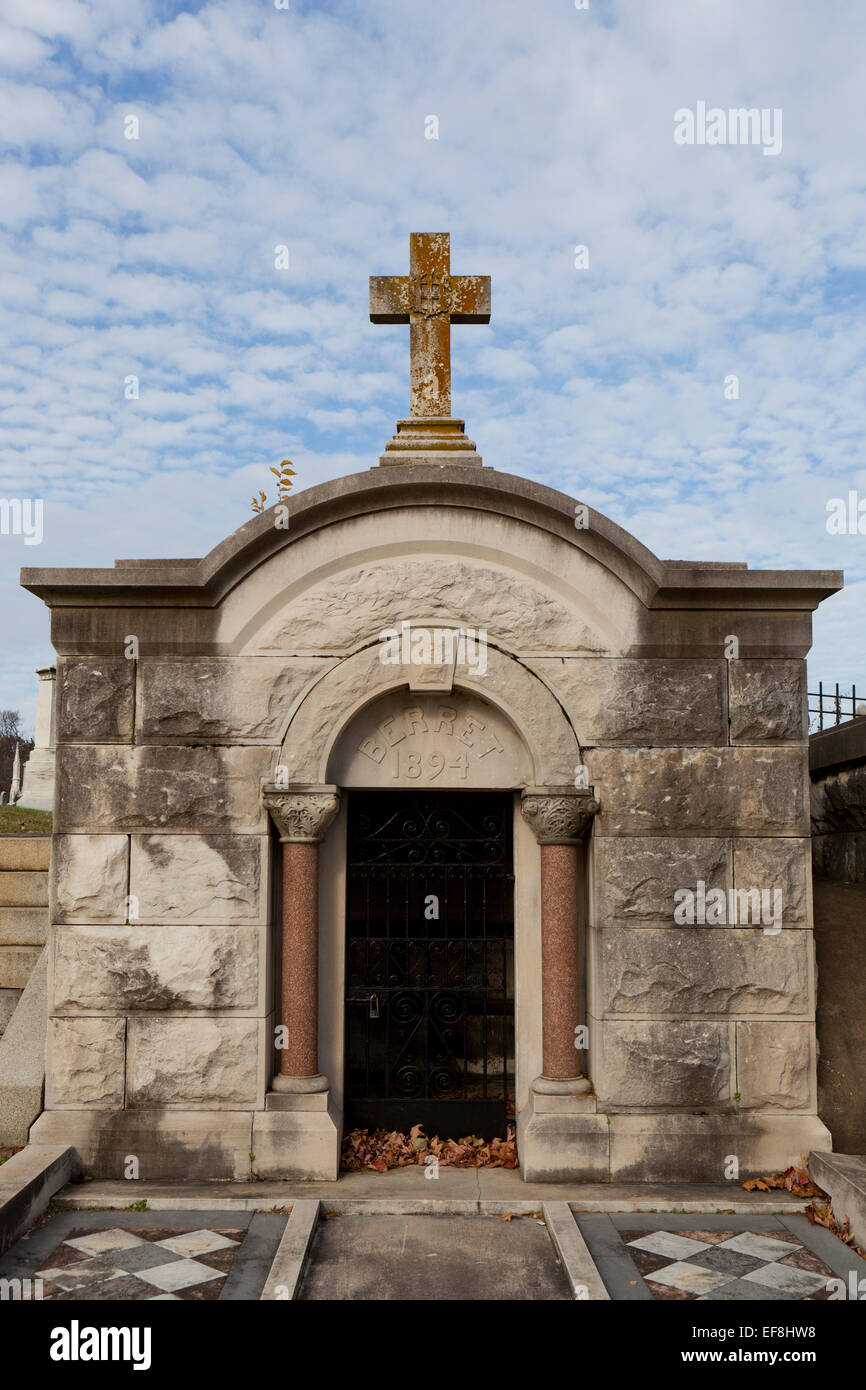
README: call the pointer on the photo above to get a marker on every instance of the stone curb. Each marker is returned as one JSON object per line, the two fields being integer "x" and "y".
{"x": 844, "y": 1177}
{"x": 28, "y": 1181}
{"x": 284, "y": 1276}
{"x": 411, "y": 1206}
{"x": 583, "y": 1278}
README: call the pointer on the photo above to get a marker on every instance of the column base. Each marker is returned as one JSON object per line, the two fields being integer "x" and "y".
{"x": 297, "y": 1137}
{"x": 570, "y": 1086}
{"x": 299, "y": 1085}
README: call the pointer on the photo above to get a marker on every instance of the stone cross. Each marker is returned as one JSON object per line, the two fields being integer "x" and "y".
{"x": 430, "y": 299}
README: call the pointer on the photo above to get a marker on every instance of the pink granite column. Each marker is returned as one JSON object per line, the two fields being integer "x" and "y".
{"x": 300, "y": 993}
{"x": 302, "y": 816}
{"x": 559, "y": 816}
{"x": 559, "y": 963}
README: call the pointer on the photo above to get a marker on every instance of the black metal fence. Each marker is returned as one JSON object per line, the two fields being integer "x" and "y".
{"x": 831, "y": 707}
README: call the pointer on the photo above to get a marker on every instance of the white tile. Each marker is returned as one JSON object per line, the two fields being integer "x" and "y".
{"x": 179, "y": 1275}
{"x": 762, "y": 1247}
{"x": 195, "y": 1243}
{"x": 163, "y": 1298}
{"x": 786, "y": 1279}
{"x": 667, "y": 1243}
{"x": 690, "y": 1278}
{"x": 102, "y": 1241}
{"x": 71, "y": 1277}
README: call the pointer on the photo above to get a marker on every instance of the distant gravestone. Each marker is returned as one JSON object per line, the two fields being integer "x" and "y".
{"x": 4, "y": 798}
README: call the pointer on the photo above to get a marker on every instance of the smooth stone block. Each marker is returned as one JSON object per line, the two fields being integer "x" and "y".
{"x": 16, "y": 965}
{"x": 185, "y": 1145}
{"x": 188, "y": 1063}
{"x": 299, "y": 1144}
{"x": 162, "y": 968}
{"x": 23, "y": 926}
{"x": 704, "y": 970}
{"x": 25, "y": 851}
{"x": 23, "y": 888}
{"x": 699, "y": 1148}
{"x": 563, "y": 1147}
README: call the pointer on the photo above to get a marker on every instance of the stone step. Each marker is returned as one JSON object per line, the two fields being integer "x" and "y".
{"x": 16, "y": 965}
{"x": 25, "y": 851}
{"x": 23, "y": 926}
{"x": 23, "y": 888}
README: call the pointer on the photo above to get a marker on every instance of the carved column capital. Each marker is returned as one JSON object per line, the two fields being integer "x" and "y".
{"x": 558, "y": 815}
{"x": 301, "y": 813}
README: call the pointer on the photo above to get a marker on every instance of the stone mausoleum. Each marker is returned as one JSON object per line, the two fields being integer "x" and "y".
{"x": 431, "y": 796}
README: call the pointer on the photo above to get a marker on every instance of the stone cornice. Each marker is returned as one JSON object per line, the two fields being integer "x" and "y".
{"x": 203, "y": 583}
{"x": 301, "y": 814}
{"x": 558, "y": 815}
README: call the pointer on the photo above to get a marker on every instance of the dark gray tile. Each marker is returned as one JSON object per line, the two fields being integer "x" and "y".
{"x": 745, "y": 1290}
{"x": 727, "y": 1261}
{"x": 144, "y": 1257}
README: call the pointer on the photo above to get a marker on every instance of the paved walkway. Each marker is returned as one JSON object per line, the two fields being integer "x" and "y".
{"x": 745, "y": 1258}
{"x": 434, "y": 1259}
{"x": 139, "y": 1256}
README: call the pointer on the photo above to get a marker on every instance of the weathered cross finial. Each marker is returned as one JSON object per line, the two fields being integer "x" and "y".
{"x": 430, "y": 299}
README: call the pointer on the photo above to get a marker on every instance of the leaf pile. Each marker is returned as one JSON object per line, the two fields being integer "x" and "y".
{"x": 823, "y": 1216}
{"x": 794, "y": 1180}
{"x": 383, "y": 1149}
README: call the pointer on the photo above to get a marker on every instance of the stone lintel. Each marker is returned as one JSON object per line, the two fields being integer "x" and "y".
{"x": 558, "y": 815}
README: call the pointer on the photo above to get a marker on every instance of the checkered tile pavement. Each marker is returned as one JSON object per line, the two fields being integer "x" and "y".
{"x": 704, "y": 1265}
{"x": 142, "y": 1264}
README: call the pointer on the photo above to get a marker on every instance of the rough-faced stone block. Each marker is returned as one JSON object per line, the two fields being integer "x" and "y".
{"x": 776, "y": 864}
{"x": 838, "y": 801}
{"x": 722, "y": 791}
{"x": 767, "y": 701}
{"x": 178, "y": 788}
{"x": 663, "y": 1063}
{"x": 95, "y": 699}
{"x": 774, "y": 1065}
{"x": 639, "y": 701}
{"x": 89, "y": 874}
{"x": 636, "y": 877}
{"x": 177, "y": 1063}
{"x": 226, "y": 699}
{"x": 124, "y": 969}
{"x": 197, "y": 878}
{"x": 84, "y": 1063}
{"x": 704, "y": 970}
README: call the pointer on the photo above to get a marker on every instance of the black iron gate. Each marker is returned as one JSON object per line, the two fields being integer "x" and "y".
{"x": 430, "y": 962}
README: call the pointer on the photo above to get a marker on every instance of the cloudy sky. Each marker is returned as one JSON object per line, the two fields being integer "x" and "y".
{"x": 306, "y": 127}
